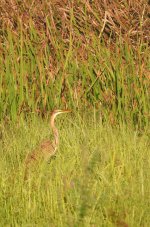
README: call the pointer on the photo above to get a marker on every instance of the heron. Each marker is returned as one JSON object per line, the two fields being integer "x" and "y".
{"x": 47, "y": 148}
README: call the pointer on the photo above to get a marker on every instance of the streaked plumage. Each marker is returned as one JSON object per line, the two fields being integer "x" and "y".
{"x": 47, "y": 148}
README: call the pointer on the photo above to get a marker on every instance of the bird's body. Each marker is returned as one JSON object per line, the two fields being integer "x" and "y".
{"x": 47, "y": 148}
{"x": 43, "y": 152}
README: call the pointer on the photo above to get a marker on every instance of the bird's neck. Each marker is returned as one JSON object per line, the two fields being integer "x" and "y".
{"x": 55, "y": 131}
{"x": 56, "y": 136}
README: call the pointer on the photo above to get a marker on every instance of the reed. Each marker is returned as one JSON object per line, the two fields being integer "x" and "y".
{"x": 55, "y": 61}
{"x": 114, "y": 82}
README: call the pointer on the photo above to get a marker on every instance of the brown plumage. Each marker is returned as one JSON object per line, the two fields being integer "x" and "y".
{"x": 47, "y": 148}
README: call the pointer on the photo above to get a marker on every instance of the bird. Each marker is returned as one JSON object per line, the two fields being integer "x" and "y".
{"x": 46, "y": 149}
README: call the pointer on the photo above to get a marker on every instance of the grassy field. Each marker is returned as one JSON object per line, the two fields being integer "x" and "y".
{"x": 91, "y": 57}
{"x": 99, "y": 177}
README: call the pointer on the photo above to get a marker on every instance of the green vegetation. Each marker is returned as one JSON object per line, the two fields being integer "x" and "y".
{"x": 100, "y": 176}
{"x": 113, "y": 82}
{"x": 61, "y": 59}
{"x": 91, "y": 57}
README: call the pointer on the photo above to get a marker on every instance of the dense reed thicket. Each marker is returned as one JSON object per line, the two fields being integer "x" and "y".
{"x": 85, "y": 55}
{"x": 75, "y": 53}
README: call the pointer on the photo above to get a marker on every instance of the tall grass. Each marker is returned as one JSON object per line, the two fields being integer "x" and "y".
{"x": 62, "y": 60}
{"x": 99, "y": 177}
{"x": 89, "y": 57}
{"x": 113, "y": 81}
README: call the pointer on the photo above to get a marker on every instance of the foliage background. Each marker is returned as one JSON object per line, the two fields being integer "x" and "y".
{"x": 75, "y": 54}
{"x": 85, "y": 55}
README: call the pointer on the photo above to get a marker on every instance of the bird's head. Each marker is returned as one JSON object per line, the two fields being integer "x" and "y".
{"x": 57, "y": 112}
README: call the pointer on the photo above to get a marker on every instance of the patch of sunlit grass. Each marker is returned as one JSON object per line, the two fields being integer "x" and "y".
{"x": 100, "y": 175}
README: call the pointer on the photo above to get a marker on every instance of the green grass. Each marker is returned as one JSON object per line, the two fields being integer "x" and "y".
{"x": 36, "y": 79}
{"x": 54, "y": 56}
{"x": 99, "y": 177}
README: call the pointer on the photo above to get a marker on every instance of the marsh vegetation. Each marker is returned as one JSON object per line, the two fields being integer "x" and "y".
{"x": 92, "y": 57}
{"x": 100, "y": 175}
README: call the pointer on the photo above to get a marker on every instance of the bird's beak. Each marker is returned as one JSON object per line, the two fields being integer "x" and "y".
{"x": 67, "y": 111}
